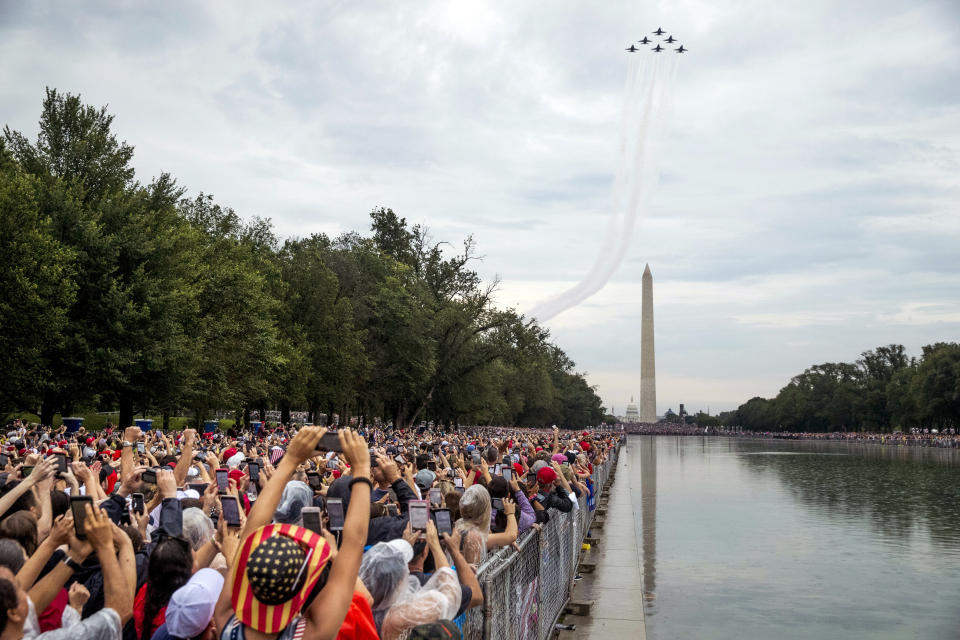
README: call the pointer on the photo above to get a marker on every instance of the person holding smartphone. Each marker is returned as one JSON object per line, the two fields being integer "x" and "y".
{"x": 324, "y": 615}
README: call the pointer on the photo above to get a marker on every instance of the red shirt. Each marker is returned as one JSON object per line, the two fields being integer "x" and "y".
{"x": 138, "y": 604}
{"x": 358, "y": 625}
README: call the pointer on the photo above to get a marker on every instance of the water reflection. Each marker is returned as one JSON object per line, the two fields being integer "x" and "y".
{"x": 902, "y": 492}
{"x": 648, "y": 496}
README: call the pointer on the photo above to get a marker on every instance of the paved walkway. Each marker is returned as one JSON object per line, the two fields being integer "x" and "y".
{"x": 616, "y": 586}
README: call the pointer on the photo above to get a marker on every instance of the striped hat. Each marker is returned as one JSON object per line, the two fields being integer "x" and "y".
{"x": 275, "y": 570}
{"x": 275, "y": 454}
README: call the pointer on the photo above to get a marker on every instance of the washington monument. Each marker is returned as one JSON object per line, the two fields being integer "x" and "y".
{"x": 648, "y": 369}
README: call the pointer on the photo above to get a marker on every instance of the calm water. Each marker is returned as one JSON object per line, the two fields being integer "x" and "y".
{"x": 748, "y": 539}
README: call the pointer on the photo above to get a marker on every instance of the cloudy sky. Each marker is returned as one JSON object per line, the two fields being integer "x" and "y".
{"x": 807, "y": 208}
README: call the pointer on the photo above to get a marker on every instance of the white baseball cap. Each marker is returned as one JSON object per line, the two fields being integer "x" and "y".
{"x": 191, "y": 606}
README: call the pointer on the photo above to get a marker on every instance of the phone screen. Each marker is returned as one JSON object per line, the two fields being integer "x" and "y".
{"x": 507, "y": 473}
{"x": 314, "y": 479}
{"x": 442, "y": 516}
{"x": 329, "y": 442}
{"x": 393, "y": 510}
{"x": 253, "y": 469}
{"x": 199, "y": 487}
{"x": 138, "y": 506}
{"x": 531, "y": 479}
{"x": 231, "y": 510}
{"x": 25, "y": 471}
{"x": 61, "y": 462}
{"x": 436, "y": 498}
{"x": 497, "y": 503}
{"x": 77, "y": 508}
{"x": 311, "y": 519}
{"x": 4, "y": 460}
{"x": 335, "y": 513}
{"x": 458, "y": 482}
{"x": 141, "y": 448}
{"x": 419, "y": 514}
{"x": 223, "y": 480}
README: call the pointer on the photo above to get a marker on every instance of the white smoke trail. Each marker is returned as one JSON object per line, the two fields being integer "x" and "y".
{"x": 646, "y": 106}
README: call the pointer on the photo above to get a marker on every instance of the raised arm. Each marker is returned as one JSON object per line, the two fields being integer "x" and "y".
{"x": 328, "y": 610}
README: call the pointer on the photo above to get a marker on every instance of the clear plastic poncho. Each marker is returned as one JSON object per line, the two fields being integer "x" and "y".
{"x": 474, "y": 523}
{"x": 399, "y": 601}
{"x": 296, "y": 496}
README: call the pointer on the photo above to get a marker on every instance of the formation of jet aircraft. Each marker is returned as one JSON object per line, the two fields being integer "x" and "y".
{"x": 657, "y": 49}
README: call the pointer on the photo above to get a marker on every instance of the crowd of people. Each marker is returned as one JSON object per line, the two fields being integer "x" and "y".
{"x": 947, "y": 438}
{"x": 287, "y": 532}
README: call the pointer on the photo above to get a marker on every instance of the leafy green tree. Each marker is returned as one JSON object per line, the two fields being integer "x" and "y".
{"x": 36, "y": 288}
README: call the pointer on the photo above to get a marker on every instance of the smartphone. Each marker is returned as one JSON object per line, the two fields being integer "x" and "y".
{"x": 419, "y": 514}
{"x": 332, "y": 463}
{"x": 393, "y": 509}
{"x": 458, "y": 482}
{"x": 432, "y": 466}
{"x": 442, "y": 519}
{"x": 329, "y": 442}
{"x": 531, "y": 479}
{"x": 459, "y": 490}
{"x": 436, "y": 498}
{"x": 475, "y": 458}
{"x": 3, "y": 478}
{"x": 78, "y": 509}
{"x": 399, "y": 460}
{"x": 253, "y": 468}
{"x": 313, "y": 478}
{"x": 141, "y": 448}
{"x": 496, "y": 469}
{"x": 138, "y": 505}
{"x": 25, "y": 471}
{"x": 199, "y": 487}
{"x": 497, "y": 503}
{"x": 507, "y": 473}
{"x": 61, "y": 462}
{"x": 231, "y": 510}
{"x": 311, "y": 519}
{"x": 335, "y": 513}
{"x": 223, "y": 480}
{"x": 4, "y": 460}
{"x": 150, "y": 475}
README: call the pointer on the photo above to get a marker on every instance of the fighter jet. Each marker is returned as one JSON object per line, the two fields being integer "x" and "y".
{"x": 681, "y": 49}
{"x": 659, "y": 31}
{"x": 657, "y": 49}
{"x": 645, "y": 40}
{"x": 670, "y": 39}
{"x": 632, "y": 49}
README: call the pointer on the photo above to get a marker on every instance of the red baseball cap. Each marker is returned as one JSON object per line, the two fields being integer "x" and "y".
{"x": 546, "y": 475}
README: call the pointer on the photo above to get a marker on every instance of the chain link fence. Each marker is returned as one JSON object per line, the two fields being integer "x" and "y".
{"x": 525, "y": 591}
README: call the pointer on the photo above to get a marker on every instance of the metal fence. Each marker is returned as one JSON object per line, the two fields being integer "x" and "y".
{"x": 525, "y": 591}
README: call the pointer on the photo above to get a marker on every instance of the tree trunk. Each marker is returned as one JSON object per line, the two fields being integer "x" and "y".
{"x": 166, "y": 420}
{"x": 246, "y": 417}
{"x": 285, "y": 413}
{"x": 47, "y": 411}
{"x": 126, "y": 412}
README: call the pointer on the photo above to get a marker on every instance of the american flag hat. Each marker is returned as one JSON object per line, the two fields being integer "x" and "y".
{"x": 275, "y": 570}
{"x": 275, "y": 454}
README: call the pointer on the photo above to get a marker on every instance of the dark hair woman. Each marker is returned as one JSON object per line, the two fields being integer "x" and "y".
{"x": 170, "y": 567}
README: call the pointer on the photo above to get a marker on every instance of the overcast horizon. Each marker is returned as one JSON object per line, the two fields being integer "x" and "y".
{"x": 808, "y": 204}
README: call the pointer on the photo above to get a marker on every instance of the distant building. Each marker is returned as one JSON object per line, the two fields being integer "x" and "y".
{"x": 633, "y": 413}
